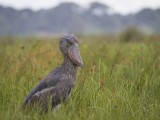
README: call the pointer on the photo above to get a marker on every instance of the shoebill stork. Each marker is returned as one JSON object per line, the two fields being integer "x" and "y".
{"x": 57, "y": 86}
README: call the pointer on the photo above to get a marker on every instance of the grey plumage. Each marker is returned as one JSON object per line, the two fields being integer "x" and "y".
{"x": 56, "y": 87}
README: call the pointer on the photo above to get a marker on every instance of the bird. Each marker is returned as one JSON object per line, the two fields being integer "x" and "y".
{"x": 57, "y": 86}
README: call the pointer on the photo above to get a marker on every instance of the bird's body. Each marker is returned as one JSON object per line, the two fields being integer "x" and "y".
{"x": 56, "y": 87}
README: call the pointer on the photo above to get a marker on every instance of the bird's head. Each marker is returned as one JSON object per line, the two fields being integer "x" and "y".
{"x": 69, "y": 46}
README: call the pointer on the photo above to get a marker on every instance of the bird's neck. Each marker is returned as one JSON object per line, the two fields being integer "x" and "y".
{"x": 69, "y": 66}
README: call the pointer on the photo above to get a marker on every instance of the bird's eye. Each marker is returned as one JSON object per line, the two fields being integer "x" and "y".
{"x": 61, "y": 41}
{"x": 70, "y": 42}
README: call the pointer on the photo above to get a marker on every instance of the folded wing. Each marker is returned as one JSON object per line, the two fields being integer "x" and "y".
{"x": 50, "y": 80}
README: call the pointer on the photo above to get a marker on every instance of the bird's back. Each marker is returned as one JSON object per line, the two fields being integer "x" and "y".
{"x": 55, "y": 87}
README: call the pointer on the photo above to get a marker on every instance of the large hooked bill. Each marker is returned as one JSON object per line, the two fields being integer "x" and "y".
{"x": 74, "y": 55}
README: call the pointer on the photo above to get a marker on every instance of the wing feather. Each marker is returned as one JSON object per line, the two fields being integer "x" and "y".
{"x": 50, "y": 80}
{"x": 54, "y": 94}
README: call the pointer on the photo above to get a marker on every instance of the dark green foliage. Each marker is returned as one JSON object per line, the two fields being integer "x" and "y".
{"x": 132, "y": 35}
{"x": 70, "y": 17}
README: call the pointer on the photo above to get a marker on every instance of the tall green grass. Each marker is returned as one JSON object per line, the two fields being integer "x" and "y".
{"x": 119, "y": 81}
